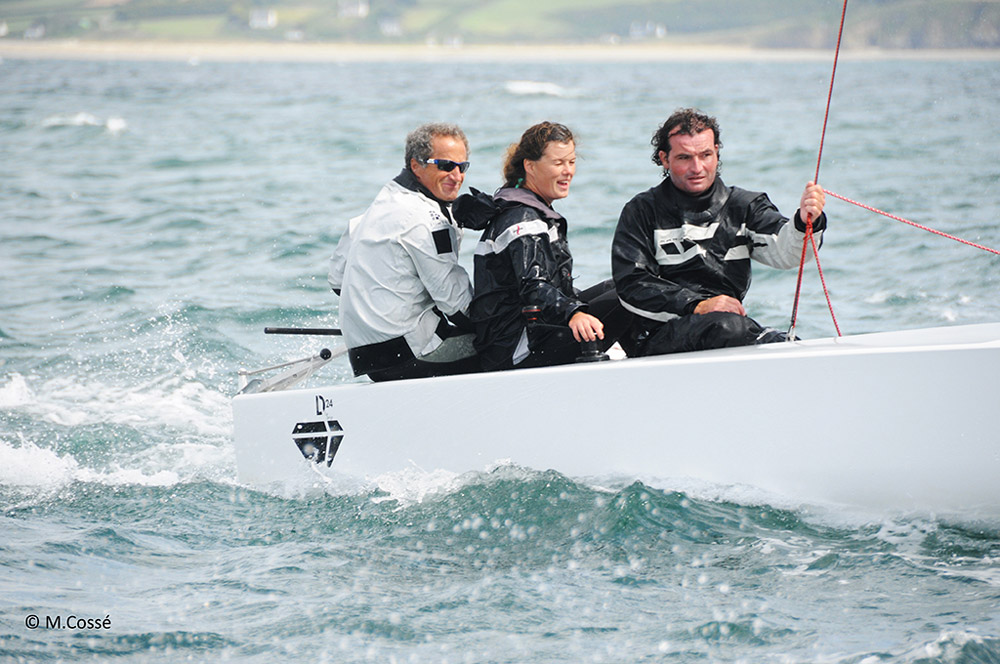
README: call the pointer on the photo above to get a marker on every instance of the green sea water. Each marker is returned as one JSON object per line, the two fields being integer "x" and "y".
{"x": 154, "y": 217}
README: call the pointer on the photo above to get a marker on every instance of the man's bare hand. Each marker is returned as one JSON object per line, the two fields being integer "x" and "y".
{"x": 721, "y": 303}
{"x": 812, "y": 202}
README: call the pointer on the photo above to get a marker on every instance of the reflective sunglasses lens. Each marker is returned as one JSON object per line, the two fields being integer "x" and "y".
{"x": 448, "y": 165}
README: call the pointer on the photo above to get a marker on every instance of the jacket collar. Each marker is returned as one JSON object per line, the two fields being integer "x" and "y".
{"x": 529, "y": 198}
{"x": 408, "y": 180}
{"x": 697, "y": 208}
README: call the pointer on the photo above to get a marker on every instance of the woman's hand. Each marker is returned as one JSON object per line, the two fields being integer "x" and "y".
{"x": 586, "y": 327}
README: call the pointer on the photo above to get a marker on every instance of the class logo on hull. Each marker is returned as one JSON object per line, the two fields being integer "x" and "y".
{"x": 319, "y": 440}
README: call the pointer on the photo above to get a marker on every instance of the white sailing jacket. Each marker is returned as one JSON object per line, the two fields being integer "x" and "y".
{"x": 394, "y": 265}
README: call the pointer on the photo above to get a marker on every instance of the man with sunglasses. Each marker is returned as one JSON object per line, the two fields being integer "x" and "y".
{"x": 681, "y": 252}
{"x": 404, "y": 298}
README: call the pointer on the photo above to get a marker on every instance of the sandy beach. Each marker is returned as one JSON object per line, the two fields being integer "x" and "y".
{"x": 330, "y": 52}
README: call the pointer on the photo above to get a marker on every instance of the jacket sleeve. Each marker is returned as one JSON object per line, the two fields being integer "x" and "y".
{"x": 773, "y": 240}
{"x": 638, "y": 280}
{"x": 434, "y": 252}
{"x": 338, "y": 262}
{"x": 537, "y": 269}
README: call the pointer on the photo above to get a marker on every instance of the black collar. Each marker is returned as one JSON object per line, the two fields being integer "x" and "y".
{"x": 529, "y": 198}
{"x": 694, "y": 202}
{"x": 698, "y": 208}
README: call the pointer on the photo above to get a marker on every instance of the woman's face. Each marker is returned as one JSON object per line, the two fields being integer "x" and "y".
{"x": 550, "y": 175}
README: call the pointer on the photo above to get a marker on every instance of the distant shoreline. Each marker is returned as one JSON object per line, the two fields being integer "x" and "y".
{"x": 341, "y": 52}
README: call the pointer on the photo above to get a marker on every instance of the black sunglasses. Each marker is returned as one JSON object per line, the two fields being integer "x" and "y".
{"x": 449, "y": 165}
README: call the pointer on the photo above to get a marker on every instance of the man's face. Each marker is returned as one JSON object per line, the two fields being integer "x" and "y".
{"x": 692, "y": 162}
{"x": 445, "y": 185}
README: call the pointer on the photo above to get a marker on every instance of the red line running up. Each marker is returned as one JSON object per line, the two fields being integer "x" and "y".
{"x": 912, "y": 223}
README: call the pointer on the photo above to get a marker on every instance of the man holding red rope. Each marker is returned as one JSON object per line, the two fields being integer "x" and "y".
{"x": 681, "y": 252}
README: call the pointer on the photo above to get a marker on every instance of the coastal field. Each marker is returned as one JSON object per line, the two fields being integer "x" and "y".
{"x": 230, "y": 51}
{"x": 896, "y": 24}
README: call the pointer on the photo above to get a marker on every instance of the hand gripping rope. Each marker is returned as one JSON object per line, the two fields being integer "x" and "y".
{"x": 810, "y": 239}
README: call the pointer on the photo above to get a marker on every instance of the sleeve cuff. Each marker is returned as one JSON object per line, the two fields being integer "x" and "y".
{"x": 818, "y": 224}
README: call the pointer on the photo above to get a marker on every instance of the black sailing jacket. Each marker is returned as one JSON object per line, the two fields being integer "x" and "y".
{"x": 672, "y": 250}
{"x": 522, "y": 259}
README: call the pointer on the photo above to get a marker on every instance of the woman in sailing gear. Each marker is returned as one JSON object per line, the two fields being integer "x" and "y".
{"x": 523, "y": 261}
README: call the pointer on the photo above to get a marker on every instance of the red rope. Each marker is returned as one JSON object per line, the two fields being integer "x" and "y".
{"x": 913, "y": 223}
{"x": 810, "y": 237}
{"x": 809, "y": 232}
{"x": 822, "y": 279}
{"x": 798, "y": 282}
{"x": 829, "y": 94}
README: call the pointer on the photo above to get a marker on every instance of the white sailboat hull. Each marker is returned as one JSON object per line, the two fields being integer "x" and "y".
{"x": 900, "y": 420}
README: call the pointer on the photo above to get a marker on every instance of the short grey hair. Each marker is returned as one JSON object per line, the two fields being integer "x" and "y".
{"x": 418, "y": 141}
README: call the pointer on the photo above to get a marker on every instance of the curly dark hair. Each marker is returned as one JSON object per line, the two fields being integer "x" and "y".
{"x": 531, "y": 146}
{"x": 688, "y": 121}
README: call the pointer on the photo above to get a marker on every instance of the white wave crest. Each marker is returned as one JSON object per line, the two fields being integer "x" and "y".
{"x": 407, "y": 487}
{"x": 190, "y": 426}
{"x": 540, "y": 88}
{"x": 175, "y": 402}
{"x": 30, "y": 466}
{"x": 947, "y": 648}
{"x": 114, "y": 124}
{"x": 15, "y": 393}
{"x": 412, "y": 485}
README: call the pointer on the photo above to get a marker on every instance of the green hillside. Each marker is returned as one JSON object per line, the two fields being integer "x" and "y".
{"x": 762, "y": 23}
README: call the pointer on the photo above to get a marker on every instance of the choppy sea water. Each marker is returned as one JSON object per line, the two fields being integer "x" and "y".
{"x": 155, "y": 216}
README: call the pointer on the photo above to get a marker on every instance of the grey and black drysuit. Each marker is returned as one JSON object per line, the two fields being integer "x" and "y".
{"x": 671, "y": 250}
{"x": 523, "y": 260}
